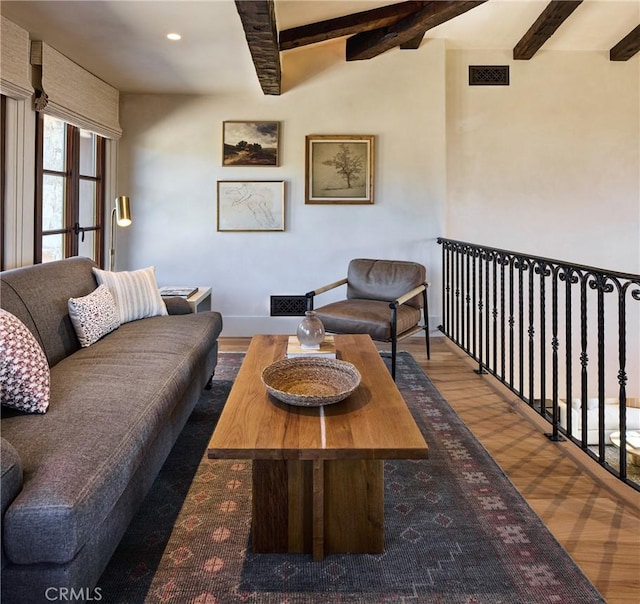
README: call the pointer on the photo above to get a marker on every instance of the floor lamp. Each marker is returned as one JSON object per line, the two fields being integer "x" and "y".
{"x": 121, "y": 216}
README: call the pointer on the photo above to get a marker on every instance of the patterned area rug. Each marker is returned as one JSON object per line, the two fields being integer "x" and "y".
{"x": 456, "y": 529}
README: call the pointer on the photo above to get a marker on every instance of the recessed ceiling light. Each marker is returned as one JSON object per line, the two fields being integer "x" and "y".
{"x": 174, "y": 36}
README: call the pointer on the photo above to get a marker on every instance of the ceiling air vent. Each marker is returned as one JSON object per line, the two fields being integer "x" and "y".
{"x": 488, "y": 75}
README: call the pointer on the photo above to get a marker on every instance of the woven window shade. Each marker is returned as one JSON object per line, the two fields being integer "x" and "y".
{"x": 71, "y": 93}
{"x": 15, "y": 72}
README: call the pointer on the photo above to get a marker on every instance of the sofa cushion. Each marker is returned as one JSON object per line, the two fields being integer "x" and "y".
{"x": 135, "y": 292}
{"x": 366, "y": 316}
{"x": 94, "y": 315}
{"x": 109, "y": 402}
{"x": 39, "y": 296}
{"x": 11, "y": 473}
{"x": 24, "y": 371}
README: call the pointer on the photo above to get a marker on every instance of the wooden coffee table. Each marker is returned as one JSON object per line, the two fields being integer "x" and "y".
{"x": 318, "y": 477}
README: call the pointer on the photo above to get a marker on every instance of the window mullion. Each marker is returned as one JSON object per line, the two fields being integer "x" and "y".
{"x": 37, "y": 251}
{"x": 100, "y": 174}
{"x": 73, "y": 189}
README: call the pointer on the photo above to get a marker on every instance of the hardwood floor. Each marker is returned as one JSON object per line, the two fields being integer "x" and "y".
{"x": 596, "y": 519}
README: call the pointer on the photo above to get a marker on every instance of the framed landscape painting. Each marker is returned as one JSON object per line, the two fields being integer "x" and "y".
{"x": 250, "y": 143}
{"x": 339, "y": 169}
{"x": 250, "y": 205}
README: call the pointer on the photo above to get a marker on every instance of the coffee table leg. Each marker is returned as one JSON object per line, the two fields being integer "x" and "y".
{"x": 320, "y": 507}
{"x": 269, "y": 505}
{"x": 318, "y": 510}
{"x": 354, "y": 506}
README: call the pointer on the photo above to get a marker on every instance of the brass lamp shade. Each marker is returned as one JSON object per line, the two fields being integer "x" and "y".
{"x": 121, "y": 216}
{"x": 123, "y": 211}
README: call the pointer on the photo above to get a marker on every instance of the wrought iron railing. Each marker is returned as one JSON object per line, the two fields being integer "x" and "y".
{"x": 561, "y": 336}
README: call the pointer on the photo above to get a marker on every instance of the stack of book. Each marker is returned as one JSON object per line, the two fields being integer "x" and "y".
{"x": 327, "y": 349}
{"x": 182, "y": 292}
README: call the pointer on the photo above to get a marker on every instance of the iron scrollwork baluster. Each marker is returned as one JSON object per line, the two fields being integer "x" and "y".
{"x": 478, "y": 313}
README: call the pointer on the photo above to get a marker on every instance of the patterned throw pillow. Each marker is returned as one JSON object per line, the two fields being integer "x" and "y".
{"x": 94, "y": 316}
{"x": 24, "y": 371}
{"x": 135, "y": 292}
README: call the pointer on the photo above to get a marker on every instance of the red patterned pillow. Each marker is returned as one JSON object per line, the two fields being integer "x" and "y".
{"x": 24, "y": 371}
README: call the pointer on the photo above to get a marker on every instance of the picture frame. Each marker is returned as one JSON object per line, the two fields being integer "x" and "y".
{"x": 250, "y": 205}
{"x": 339, "y": 169}
{"x": 246, "y": 143}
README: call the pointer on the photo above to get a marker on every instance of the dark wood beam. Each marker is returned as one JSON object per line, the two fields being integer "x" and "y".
{"x": 414, "y": 43}
{"x": 552, "y": 17}
{"x": 370, "y": 44}
{"x": 627, "y": 47}
{"x": 259, "y": 22}
{"x": 347, "y": 25}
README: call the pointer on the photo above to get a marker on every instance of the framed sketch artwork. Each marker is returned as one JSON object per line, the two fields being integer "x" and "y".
{"x": 339, "y": 169}
{"x": 250, "y": 143}
{"x": 250, "y": 205}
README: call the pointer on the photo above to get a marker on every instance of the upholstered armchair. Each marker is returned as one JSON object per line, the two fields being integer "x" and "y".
{"x": 384, "y": 299}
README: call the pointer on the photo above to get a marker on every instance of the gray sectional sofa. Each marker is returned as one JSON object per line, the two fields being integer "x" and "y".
{"x": 73, "y": 477}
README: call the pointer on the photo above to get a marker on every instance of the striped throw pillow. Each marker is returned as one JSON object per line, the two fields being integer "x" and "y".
{"x": 135, "y": 292}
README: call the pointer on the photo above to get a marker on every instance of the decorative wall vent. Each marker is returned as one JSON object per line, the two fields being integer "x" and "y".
{"x": 488, "y": 75}
{"x": 288, "y": 306}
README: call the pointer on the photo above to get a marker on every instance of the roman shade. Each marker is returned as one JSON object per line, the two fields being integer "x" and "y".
{"x": 15, "y": 80}
{"x": 70, "y": 93}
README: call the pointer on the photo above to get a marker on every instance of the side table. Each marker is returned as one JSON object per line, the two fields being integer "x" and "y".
{"x": 201, "y": 300}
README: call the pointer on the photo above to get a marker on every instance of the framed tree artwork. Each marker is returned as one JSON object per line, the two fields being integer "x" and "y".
{"x": 250, "y": 143}
{"x": 339, "y": 169}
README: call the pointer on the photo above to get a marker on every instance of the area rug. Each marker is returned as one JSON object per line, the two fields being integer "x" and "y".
{"x": 456, "y": 530}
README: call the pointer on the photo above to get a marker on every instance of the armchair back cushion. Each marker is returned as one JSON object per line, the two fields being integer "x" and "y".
{"x": 384, "y": 280}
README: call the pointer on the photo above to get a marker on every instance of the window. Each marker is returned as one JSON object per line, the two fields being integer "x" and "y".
{"x": 3, "y": 174}
{"x": 69, "y": 191}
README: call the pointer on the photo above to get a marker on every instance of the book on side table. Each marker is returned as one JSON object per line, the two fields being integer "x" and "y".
{"x": 327, "y": 349}
{"x": 182, "y": 292}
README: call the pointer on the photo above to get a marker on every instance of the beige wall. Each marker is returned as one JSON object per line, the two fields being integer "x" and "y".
{"x": 170, "y": 161}
{"x": 547, "y": 166}
{"x": 551, "y": 164}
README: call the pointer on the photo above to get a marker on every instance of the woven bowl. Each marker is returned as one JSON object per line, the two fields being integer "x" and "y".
{"x": 310, "y": 381}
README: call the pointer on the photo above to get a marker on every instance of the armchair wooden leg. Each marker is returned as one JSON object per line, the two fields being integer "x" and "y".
{"x": 394, "y": 346}
{"x": 425, "y": 310}
{"x": 394, "y": 338}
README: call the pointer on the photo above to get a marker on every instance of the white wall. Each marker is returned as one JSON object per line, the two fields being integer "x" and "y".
{"x": 549, "y": 165}
{"x": 170, "y": 160}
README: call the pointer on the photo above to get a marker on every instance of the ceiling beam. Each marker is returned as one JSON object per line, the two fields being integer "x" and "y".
{"x": 259, "y": 22}
{"x": 347, "y": 25}
{"x": 552, "y": 17}
{"x": 414, "y": 43}
{"x": 370, "y": 44}
{"x": 627, "y": 47}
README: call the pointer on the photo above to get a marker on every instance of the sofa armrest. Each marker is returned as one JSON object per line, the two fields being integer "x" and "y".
{"x": 11, "y": 480}
{"x": 177, "y": 306}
